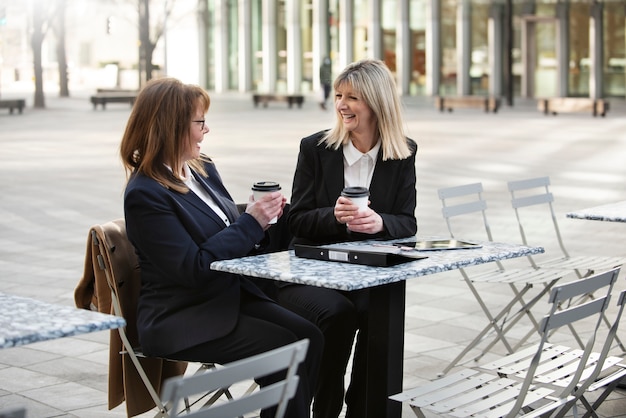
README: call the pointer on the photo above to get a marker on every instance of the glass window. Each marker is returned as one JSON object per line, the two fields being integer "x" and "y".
{"x": 389, "y": 22}
{"x": 210, "y": 45}
{"x": 614, "y": 50}
{"x": 307, "y": 45}
{"x": 333, "y": 29}
{"x": 517, "y": 65}
{"x": 417, "y": 24}
{"x": 257, "y": 44}
{"x": 479, "y": 66}
{"x": 281, "y": 47}
{"x": 578, "y": 83}
{"x": 361, "y": 14}
{"x": 233, "y": 45}
{"x": 448, "y": 47}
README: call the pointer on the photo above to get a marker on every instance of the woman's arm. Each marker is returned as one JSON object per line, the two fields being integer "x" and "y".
{"x": 311, "y": 215}
{"x": 181, "y": 241}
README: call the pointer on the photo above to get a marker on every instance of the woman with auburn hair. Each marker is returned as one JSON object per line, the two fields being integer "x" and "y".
{"x": 180, "y": 218}
{"x": 367, "y": 147}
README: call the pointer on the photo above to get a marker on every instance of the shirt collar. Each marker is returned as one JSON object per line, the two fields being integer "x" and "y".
{"x": 186, "y": 170}
{"x": 187, "y": 174}
{"x": 352, "y": 155}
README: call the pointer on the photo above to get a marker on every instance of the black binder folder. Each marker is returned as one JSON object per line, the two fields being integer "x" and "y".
{"x": 367, "y": 254}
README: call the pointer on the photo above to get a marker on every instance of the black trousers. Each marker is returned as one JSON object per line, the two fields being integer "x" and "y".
{"x": 262, "y": 326}
{"x": 339, "y": 315}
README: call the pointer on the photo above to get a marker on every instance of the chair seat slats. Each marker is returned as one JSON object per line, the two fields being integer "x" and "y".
{"x": 463, "y": 399}
{"x": 433, "y": 386}
{"x": 510, "y": 364}
{"x": 609, "y": 362}
{"x": 500, "y": 404}
{"x": 453, "y": 390}
{"x": 520, "y": 276}
{"x": 450, "y": 393}
{"x": 597, "y": 263}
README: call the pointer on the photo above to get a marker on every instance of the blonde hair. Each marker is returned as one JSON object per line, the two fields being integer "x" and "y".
{"x": 157, "y": 128}
{"x": 373, "y": 81}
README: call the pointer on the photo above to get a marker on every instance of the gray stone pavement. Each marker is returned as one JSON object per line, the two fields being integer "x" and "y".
{"x": 60, "y": 174}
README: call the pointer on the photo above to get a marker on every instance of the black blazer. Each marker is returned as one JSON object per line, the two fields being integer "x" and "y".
{"x": 319, "y": 179}
{"x": 177, "y": 236}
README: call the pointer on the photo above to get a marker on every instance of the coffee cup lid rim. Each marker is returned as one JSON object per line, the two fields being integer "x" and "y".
{"x": 265, "y": 185}
{"x": 353, "y": 191}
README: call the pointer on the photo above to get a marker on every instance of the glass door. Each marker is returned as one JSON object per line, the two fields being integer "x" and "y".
{"x": 539, "y": 55}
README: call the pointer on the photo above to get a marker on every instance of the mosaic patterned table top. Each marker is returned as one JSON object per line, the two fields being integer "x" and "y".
{"x": 286, "y": 266}
{"x": 25, "y": 321}
{"x": 612, "y": 212}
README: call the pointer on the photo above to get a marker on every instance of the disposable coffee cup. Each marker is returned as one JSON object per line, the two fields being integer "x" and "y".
{"x": 261, "y": 188}
{"x": 358, "y": 195}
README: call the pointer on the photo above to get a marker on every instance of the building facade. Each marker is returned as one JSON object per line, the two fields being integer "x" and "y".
{"x": 525, "y": 48}
{"x": 504, "y": 48}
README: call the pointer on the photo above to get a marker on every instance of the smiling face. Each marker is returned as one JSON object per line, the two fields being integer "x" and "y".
{"x": 357, "y": 116}
{"x": 197, "y": 129}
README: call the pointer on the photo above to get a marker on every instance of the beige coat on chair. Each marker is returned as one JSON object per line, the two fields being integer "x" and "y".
{"x": 93, "y": 293}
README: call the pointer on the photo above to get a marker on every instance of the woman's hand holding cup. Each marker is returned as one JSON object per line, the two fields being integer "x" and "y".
{"x": 352, "y": 202}
{"x": 266, "y": 203}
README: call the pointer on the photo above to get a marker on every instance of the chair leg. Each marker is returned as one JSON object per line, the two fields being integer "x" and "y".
{"x": 526, "y": 306}
{"x": 418, "y": 412}
{"x": 493, "y": 323}
{"x": 607, "y": 391}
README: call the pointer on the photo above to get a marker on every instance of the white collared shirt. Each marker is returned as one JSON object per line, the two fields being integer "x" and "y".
{"x": 191, "y": 182}
{"x": 358, "y": 168}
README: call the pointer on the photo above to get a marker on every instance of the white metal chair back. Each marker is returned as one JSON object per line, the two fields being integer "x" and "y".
{"x": 535, "y": 192}
{"x": 278, "y": 394}
{"x": 543, "y": 196}
{"x": 465, "y": 199}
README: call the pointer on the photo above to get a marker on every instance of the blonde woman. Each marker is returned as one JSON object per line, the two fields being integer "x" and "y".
{"x": 367, "y": 147}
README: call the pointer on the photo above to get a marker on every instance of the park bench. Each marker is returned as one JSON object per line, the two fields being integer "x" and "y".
{"x": 11, "y": 104}
{"x": 476, "y": 102}
{"x": 265, "y": 98}
{"x": 115, "y": 90}
{"x": 555, "y": 105}
{"x": 103, "y": 97}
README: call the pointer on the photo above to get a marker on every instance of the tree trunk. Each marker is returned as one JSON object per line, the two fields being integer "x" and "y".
{"x": 59, "y": 25}
{"x": 145, "y": 65}
{"x": 36, "y": 42}
{"x": 149, "y": 66}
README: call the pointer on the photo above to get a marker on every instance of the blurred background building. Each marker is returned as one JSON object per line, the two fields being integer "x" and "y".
{"x": 505, "y": 48}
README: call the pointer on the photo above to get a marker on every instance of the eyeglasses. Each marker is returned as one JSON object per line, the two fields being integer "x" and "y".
{"x": 201, "y": 122}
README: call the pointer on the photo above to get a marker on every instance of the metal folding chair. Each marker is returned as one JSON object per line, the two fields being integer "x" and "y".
{"x": 535, "y": 193}
{"x": 278, "y": 394}
{"x": 467, "y": 200}
{"x": 517, "y": 385}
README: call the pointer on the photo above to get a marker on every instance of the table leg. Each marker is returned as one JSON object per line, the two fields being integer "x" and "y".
{"x": 385, "y": 349}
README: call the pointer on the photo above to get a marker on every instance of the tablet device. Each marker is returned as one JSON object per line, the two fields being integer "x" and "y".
{"x": 437, "y": 245}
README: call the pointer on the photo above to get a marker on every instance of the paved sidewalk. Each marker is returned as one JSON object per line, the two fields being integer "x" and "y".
{"x": 60, "y": 174}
